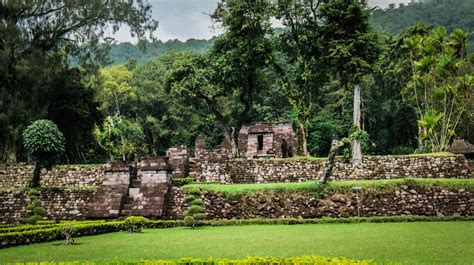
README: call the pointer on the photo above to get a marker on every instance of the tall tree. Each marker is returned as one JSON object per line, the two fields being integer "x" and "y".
{"x": 351, "y": 49}
{"x": 228, "y": 79}
{"x": 36, "y": 40}
{"x": 299, "y": 65}
{"x": 441, "y": 85}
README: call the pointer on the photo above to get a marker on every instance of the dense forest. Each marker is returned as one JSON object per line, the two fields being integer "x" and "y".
{"x": 113, "y": 104}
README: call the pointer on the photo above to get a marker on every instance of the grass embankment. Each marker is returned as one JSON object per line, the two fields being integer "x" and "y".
{"x": 311, "y": 158}
{"x": 410, "y": 243}
{"x": 347, "y": 185}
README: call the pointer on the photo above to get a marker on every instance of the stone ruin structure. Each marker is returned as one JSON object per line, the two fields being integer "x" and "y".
{"x": 460, "y": 146}
{"x": 267, "y": 140}
{"x": 146, "y": 188}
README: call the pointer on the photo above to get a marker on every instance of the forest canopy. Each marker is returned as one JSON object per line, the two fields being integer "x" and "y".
{"x": 112, "y": 101}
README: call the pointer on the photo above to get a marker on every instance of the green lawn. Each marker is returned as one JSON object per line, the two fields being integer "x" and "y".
{"x": 411, "y": 243}
{"x": 344, "y": 185}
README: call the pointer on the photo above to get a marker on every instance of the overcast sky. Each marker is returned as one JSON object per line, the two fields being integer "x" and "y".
{"x": 185, "y": 19}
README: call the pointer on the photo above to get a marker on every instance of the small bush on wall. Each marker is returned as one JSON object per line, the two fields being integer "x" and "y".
{"x": 195, "y": 212}
{"x": 34, "y": 211}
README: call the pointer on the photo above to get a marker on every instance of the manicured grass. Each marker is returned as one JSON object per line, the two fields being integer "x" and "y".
{"x": 438, "y": 154}
{"x": 410, "y": 243}
{"x": 387, "y": 185}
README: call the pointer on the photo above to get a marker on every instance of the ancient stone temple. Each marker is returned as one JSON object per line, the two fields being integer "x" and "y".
{"x": 460, "y": 146}
{"x": 267, "y": 140}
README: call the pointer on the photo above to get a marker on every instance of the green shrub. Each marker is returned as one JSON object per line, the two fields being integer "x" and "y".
{"x": 195, "y": 191}
{"x": 68, "y": 232}
{"x": 135, "y": 224}
{"x": 193, "y": 209}
{"x": 189, "y": 199}
{"x": 55, "y": 233}
{"x": 198, "y": 202}
{"x": 179, "y": 182}
{"x": 189, "y": 220}
{"x": 34, "y": 211}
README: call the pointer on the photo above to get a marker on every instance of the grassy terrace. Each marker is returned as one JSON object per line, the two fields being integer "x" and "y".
{"x": 410, "y": 243}
{"x": 380, "y": 185}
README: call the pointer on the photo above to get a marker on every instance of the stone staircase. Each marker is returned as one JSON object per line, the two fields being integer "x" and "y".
{"x": 107, "y": 201}
{"x": 148, "y": 188}
{"x": 131, "y": 190}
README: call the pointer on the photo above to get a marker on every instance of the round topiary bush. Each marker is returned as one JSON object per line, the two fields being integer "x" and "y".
{"x": 44, "y": 143}
{"x": 135, "y": 224}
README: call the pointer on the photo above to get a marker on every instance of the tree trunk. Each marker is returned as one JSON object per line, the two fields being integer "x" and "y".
{"x": 35, "y": 181}
{"x": 356, "y": 148}
{"x": 302, "y": 133}
{"x": 234, "y": 143}
{"x": 233, "y": 136}
{"x": 335, "y": 147}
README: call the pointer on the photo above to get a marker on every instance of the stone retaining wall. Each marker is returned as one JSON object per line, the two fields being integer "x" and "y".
{"x": 19, "y": 175}
{"x": 293, "y": 170}
{"x": 402, "y": 200}
{"x": 57, "y": 203}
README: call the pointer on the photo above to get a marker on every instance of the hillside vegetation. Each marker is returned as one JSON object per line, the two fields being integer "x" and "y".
{"x": 393, "y": 20}
{"x": 448, "y": 13}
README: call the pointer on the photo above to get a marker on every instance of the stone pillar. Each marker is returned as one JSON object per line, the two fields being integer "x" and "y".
{"x": 178, "y": 161}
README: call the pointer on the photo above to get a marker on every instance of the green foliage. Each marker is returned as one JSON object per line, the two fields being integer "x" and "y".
{"x": 441, "y": 85}
{"x": 135, "y": 224}
{"x": 227, "y": 79}
{"x": 55, "y": 233}
{"x": 236, "y": 190}
{"x": 34, "y": 211}
{"x": 120, "y": 137}
{"x": 69, "y": 232}
{"x": 189, "y": 199}
{"x": 195, "y": 212}
{"x": 445, "y": 241}
{"x": 116, "y": 91}
{"x": 27, "y": 234}
{"x": 44, "y": 142}
{"x": 451, "y": 14}
{"x": 197, "y": 202}
{"x": 195, "y": 191}
{"x": 36, "y": 80}
{"x": 179, "y": 182}
{"x": 122, "y": 53}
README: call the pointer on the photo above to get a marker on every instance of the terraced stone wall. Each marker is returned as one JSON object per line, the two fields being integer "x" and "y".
{"x": 298, "y": 170}
{"x": 402, "y": 200}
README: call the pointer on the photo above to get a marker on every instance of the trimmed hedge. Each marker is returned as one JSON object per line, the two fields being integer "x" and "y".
{"x": 49, "y": 234}
{"x": 101, "y": 227}
{"x": 330, "y": 220}
{"x": 249, "y": 260}
{"x": 44, "y": 225}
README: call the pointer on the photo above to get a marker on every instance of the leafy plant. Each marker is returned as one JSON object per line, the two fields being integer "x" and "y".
{"x": 68, "y": 232}
{"x": 120, "y": 137}
{"x": 441, "y": 84}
